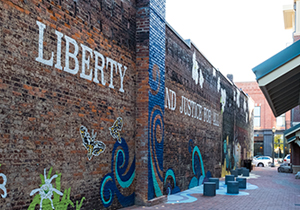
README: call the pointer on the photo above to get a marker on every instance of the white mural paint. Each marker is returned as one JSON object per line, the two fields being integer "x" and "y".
{"x": 223, "y": 100}
{"x": 216, "y": 119}
{"x": 116, "y": 129}
{"x": 218, "y": 84}
{"x": 46, "y": 190}
{"x": 2, "y": 186}
{"x": 191, "y": 108}
{"x": 93, "y": 147}
{"x": 199, "y": 112}
{"x": 238, "y": 93}
{"x": 245, "y": 109}
{"x": 201, "y": 79}
{"x": 245, "y": 105}
{"x": 87, "y": 55}
{"x": 170, "y": 99}
{"x": 195, "y": 74}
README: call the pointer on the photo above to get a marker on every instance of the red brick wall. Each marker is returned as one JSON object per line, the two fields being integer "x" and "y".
{"x": 142, "y": 100}
{"x": 45, "y": 102}
{"x": 268, "y": 120}
{"x": 43, "y": 107}
{"x": 183, "y": 132}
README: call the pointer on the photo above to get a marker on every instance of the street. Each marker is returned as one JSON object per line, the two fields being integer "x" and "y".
{"x": 274, "y": 191}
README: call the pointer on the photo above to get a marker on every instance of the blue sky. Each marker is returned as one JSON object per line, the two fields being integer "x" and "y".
{"x": 233, "y": 35}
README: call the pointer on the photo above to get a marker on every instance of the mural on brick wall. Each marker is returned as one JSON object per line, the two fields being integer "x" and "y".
{"x": 232, "y": 151}
{"x": 170, "y": 182}
{"x": 2, "y": 186}
{"x": 227, "y": 157}
{"x": 93, "y": 147}
{"x": 87, "y": 56}
{"x": 197, "y": 165}
{"x": 47, "y": 191}
{"x": 223, "y": 100}
{"x": 197, "y": 75}
{"x": 156, "y": 98}
{"x": 116, "y": 129}
{"x": 121, "y": 173}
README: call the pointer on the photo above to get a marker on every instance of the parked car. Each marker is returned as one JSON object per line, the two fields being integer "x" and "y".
{"x": 285, "y": 167}
{"x": 287, "y": 159}
{"x": 262, "y": 161}
{"x": 256, "y": 156}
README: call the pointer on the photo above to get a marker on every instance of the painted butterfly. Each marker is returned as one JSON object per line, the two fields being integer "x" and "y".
{"x": 116, "y": 128}
{"x": 93, "y": 147}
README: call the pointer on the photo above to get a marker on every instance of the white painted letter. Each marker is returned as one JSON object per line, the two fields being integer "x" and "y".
{"x": 200, "y": 112}
{"x": 182, "y": 102}
{"x": 58, "y": 52}
{"x": 41, "y": 46}
{"x": 72, "y": 55}
{"x": 86, "y": 62}
{"x": 167, "y": 98}
{"x": 121, "y": 76}
{"x": 173, "y": 107}
{"x": 97, "y": 67}
{"x": 112, "y": 64}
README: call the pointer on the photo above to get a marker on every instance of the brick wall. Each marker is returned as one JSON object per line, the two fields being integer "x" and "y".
{"x": 268, "y": 120}
{"x": 196, "y": 123}
{"x": 105, "y": 104}
{"x": 44, "y": 102}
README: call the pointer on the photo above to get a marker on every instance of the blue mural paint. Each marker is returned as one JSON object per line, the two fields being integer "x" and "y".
{"x": 197, "y": 165}
{"x": 156, "y": 98}
{"x": 108, "y": 186}
{"x": 171, "y": 190}
{"x": 186, "y": 196}
{"x": 207, "y": 176}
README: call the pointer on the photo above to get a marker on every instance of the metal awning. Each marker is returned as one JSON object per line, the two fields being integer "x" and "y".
{"x": 292, "y": 134}
{"x": 279, "y": 79}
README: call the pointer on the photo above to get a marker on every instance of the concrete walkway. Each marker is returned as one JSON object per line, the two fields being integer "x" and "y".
{"x": 269, "y": 190}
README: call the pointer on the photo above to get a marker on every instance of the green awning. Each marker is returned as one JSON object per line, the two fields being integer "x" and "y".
{"x": 290, "y": 134}
{"x": 279, "y": 79}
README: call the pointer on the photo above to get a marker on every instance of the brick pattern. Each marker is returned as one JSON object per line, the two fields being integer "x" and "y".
{"x": 156, "y": 98}
{"x": 42, "y": 107}
{"x": 142, "y": 100}
{"x": 268, "y": 120}
{"x": 180, "y": 129}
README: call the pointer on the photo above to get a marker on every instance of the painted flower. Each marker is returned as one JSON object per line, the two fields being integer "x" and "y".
{"x": 2, "y": 186}
{"x": 46, "y": 190}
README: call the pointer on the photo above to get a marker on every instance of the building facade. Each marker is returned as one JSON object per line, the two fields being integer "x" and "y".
{"x": 265, "y": 121}
{"x": 279, "y": 77}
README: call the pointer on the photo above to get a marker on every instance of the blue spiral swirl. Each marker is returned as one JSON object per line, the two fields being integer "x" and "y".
{"x": 118, "y": 175}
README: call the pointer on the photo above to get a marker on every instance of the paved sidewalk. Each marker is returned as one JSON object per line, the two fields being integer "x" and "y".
{"x": 275, "y": 191}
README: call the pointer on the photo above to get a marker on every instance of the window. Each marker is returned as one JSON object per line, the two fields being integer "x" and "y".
{"x": 280, "y": 121}
{"x": 278, "y": 145}
{"x": 257, "y": 116}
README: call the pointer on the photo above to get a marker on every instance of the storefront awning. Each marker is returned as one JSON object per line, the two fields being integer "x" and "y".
{"x": 292, "y": 134}
{"x": 279, "y": 79}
